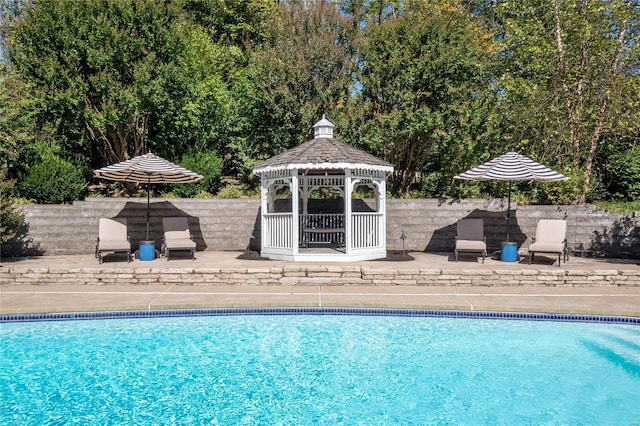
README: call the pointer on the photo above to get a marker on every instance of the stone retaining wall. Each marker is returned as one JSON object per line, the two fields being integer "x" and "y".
{"x": 223, "y": 224}
{"x": 316, "y": 275}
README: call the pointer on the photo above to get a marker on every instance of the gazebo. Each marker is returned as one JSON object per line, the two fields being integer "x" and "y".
{"x": 323, "y": 200}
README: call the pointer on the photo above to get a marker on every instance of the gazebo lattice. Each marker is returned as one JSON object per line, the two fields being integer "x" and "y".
{"x": 296, "y": 225}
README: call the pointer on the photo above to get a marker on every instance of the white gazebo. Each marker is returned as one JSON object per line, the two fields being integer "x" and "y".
{"x": 323, "y": 200}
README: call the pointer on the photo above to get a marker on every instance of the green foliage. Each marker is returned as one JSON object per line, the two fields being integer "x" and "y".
{"x": 434, "y": 87}
{"x": 623, "y": 172}
{"x": 230, "y": 191}
{"x": 424, "y": 99}
{"x": 209, "y": 165}
{"x": 53, "y": 180}
{"x": 563, "y": 192}
{"x": 304, "y": 69}
{"x": 10, "y": 218}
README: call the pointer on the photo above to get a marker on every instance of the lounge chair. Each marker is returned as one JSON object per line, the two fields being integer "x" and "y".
{"x": 550, "y": 238}
{"x": 113, "y": 238}
{"x": 177, "y": 236}
{"x": 470, "y": 237}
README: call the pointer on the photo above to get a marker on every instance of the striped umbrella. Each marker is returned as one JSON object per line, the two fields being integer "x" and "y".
{"x": 512, "y": 166}
{"x": 147, "y": 168}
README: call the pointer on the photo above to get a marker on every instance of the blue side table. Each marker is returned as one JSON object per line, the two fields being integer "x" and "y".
{"x": 509, "y": 252}
{"x": 147, "y": 250}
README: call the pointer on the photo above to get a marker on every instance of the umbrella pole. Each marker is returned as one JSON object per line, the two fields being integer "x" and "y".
{"x": 508, "y": 211}
{"x": 147, "y": 234}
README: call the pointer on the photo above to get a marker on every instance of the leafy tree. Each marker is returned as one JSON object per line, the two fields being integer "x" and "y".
{"x": 303, "y": 70}
{"x": 120, "y": 77}
{"x": 571, "y": 70}
{"x": 425, "y": 78}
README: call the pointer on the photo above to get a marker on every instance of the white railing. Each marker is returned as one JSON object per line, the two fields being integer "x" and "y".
{"x": 365, "y": 230}
{"x": 278, "y": 227}
{"x": 322, "y": 229}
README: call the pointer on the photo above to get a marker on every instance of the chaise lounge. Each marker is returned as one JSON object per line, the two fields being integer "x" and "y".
{"x": 550, "y": 238}
{"x": 470, "y": 237}
{"x": 112, "y": 238}
{"x": 177, "y": 236}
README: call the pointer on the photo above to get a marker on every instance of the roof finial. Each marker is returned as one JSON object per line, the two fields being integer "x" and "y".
{"x": 323, "y": 129}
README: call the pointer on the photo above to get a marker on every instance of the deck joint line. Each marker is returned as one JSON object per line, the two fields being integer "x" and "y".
{"x": 159, "y": 296}
{"x": 460, "y": 297}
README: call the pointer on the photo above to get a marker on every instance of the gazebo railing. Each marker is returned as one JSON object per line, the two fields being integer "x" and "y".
{"x": 322, "y": 229}
{"x": 278, "y": 227}
{"x": 365, "y": 230}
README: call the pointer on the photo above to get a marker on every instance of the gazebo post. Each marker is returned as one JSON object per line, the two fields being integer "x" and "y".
{"x": 382, "y": 209}
{"x": 295, "y": 215}
{"x": 348, "y": 188}
{"x": 264, "y": 208}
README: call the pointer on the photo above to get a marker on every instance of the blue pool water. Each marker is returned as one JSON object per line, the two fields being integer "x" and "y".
{"x": 297, "y": 369}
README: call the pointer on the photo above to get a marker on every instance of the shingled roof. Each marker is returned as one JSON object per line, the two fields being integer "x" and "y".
{"x": 323, "y": 153}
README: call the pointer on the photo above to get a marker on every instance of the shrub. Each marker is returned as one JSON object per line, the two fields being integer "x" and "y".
{"x": 53, "y": 180}
{"x": 10, "y": 218}
{"x": 623, "y": 174}
{"x": 209, "y": 165}
{"x": 230, "y": 191}
{"x": 558, "y": 193}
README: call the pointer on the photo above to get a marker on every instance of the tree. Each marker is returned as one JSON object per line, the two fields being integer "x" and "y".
{"x": 571, "y": 74}
{"x": 119, "y": 77}
{"x": 425, "y": 78}
{"x": 303, "y": 70}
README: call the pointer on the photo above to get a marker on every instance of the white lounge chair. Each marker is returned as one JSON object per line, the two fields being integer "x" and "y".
{"x": 177, "y": 236}
{"x": 112, "y": 238}
{"x": 550, "y": 238}
{"x": 470, "y": 237}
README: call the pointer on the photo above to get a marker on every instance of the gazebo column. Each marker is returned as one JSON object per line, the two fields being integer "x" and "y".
{"x": 295, "y": 221}
{"x": 264, "y": 205}
{"x": 348, "y": 188}
{"x": 382, "y": 209}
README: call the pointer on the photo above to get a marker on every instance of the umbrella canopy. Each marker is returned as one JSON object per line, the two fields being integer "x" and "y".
{"x": 512, "y": 166}
{"x": 147, "y": 168}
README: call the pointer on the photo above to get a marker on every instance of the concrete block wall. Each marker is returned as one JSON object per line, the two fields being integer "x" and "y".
{"x": 234, "y": 224}
{"x": 430, "y": 225}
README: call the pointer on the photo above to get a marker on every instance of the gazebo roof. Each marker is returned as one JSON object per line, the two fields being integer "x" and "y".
{"x": 323, "y": 153}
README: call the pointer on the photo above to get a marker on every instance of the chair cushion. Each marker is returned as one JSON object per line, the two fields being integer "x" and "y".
{"x": 552, "y": 230}
{"x": 177, "y": 235}
{"x": 471, "y": 245}
{"x": 546, "y": 247}
{"x": 112, "y": 245}
{"x": 180, "y": 244}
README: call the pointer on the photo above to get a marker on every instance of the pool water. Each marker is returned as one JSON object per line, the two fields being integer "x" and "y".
{"x": 318, "y": 369}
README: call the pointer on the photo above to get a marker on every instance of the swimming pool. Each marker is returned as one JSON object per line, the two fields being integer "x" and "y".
{"x": 318, "y": 369}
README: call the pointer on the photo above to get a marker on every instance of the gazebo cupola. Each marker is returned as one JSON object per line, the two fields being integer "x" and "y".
{"x": 323, "y": 200}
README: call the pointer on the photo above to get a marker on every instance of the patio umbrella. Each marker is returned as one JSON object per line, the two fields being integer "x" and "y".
{"x": 147, "y": 168}
{"x": 512, "y": 166}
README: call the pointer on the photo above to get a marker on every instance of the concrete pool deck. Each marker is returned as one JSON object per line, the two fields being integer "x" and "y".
{"x": 55, "y": 284}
